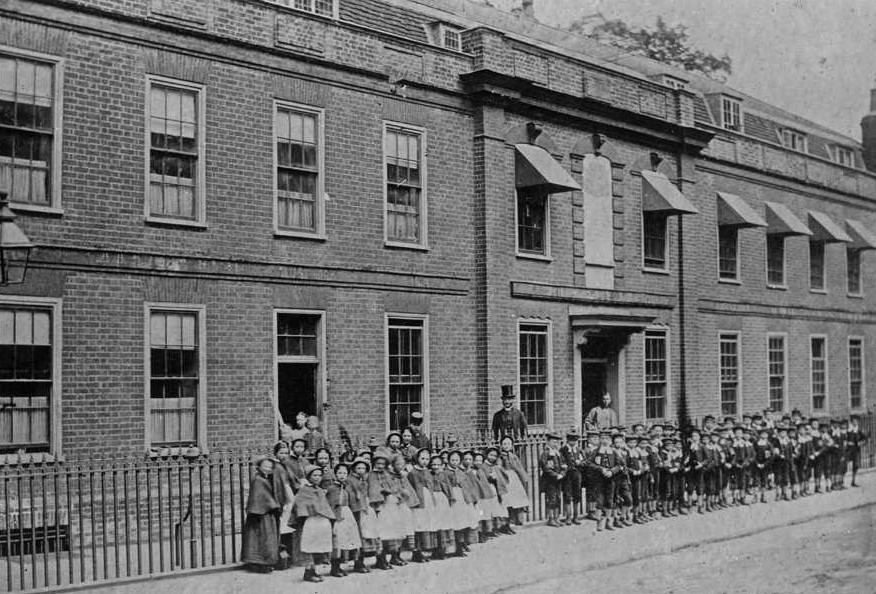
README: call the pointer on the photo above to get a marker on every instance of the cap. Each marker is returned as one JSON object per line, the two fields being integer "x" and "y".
{"x": 390, "y": 434}
{"x": 592, "y": 432}
{"x": 416, "y": 416}
{"x": 297, "y": 439}
{"x": 359, "y": 461}
{"x": 573, "y": 433}
{"x": 341, "y": 465}
{"x": 553, "y": 435}
{"x": 373, "y": 443}
{"x": 310, "y": 469}
{"x": 507, "y": 391}
{"x": 379, "y": 454}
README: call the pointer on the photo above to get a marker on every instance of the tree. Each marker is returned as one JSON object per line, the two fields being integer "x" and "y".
{"x": 670, "y": 45}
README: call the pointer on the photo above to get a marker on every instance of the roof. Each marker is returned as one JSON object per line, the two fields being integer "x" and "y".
{"x": 379, "y": 15}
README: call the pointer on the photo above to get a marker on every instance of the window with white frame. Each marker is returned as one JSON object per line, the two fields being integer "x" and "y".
{"x": 818, "y": 370}
{"x": 656, "y": 375}
{"x": 776, "y": 358}
{"x": 654, "y": 240}
{"x": 28, "y": 383}
{"x": 534, "y": 369}
{"x": 451, "y": 38}
{"x": 853, "y": 271}
{"x": 300, "y": 366}
{"x": 844, "y": 156}
{"x": 533, "y": 216}
{"x": 176, "y": 151}
{"x": 775, "y": 260}
{"x": 324, "y": 8}
{"x": 405, "y": 177}
{"x": 30, "y": 129}
{"x": 856, "y": 373}
{"x": 731, "y": 114}
{"x": 175, "y": 381}
{"x": 729, "y": 372}
{"x": 728, "y": 252}
{"x": 297, "y": 138}
{"x": 816, "y": 266}
{"x": 794, "y": 140}
{"x": 408, "y": 369}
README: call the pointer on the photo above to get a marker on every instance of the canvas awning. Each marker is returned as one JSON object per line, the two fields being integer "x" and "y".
{"x": 862, "y": 238}
{"x": 781, "y": 221}
{"x": 537, "y": 169}
{"x": 660, "y": 195}
{"x": 824, "y": 229}
{"x": 734, "y": 211}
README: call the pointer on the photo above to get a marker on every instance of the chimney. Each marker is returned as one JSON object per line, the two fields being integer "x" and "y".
{"x": 868, "y": 134}
{"x": 528, "y": 8}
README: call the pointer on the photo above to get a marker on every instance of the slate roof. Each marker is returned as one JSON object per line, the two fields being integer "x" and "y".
{"x": 384, "y": 17}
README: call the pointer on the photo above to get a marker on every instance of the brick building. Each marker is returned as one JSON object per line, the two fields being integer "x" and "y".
{"x": 361, "y": 208}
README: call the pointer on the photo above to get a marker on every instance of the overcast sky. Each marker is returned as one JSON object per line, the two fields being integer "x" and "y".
{"x": 816, "y": 58}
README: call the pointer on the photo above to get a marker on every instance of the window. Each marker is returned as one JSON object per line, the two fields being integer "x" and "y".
{"x": 856, "y": 373}
{"x": 853, "y": 270}
{"x": 816, "y": 266}
{"x": 176, "y": 152}
{"x": 300, "y": 369}
{"x": 655, "y": 374}
{"x": 818, "y": 367}
{"x": 532, "y": 223}
{"x": 776, "y": 371}
{"x": 29, "y": 351}
{"x": 729, "y": 373}
{"x": 731, "y": 114}
{"x": 299, "y": 183}
{"x": 321, "y": 7}
{"x": 796, "y": 141}
{"x": 775, "y": 260}
{"x": 534, "y": 369}
{"x": 728, "y": 256}
{"x": 844, "y": 156}
{"x": 407, "y": 365}
{"x": 175, "y": 382}
{"x": 30, "y": 130}
{"x": 405, "y": 182}
{"x": 654, "y": 239}
{"x": 451, "y": 38}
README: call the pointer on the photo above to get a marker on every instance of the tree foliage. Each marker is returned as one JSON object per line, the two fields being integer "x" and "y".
{"x": 670, "y": 45}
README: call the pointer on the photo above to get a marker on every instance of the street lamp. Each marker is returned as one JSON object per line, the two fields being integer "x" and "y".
{"x": 15, "y": 247}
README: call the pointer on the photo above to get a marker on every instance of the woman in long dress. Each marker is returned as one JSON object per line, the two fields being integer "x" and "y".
{"x": 285, "y": 484}
{"x": 261, "y": 537}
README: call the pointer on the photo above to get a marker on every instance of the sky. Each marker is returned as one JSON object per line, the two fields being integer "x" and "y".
{"x": 815, "y": 58}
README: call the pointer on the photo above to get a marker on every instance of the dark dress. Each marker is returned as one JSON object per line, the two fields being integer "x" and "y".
{"x": 261, "y": 530}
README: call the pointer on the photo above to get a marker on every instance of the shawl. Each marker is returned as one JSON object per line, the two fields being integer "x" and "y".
{"x": 406, "y": 491}
{"x": 261, "y": 497}
{"x": 511, "y": 462}
{"x": 357, "y": 489}
{"x": 380, "y": 484}
{"x": 279, "y": 478}
{"x": 311, "y": 501}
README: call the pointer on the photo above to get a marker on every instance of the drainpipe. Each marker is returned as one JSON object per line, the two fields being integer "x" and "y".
{"x": 683, "y": 417}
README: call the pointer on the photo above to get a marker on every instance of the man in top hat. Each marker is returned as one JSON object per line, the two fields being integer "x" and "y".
{"x": 602, "y": 416}
{"x": 421, "y": 438}
{"x": 509, "y": 420}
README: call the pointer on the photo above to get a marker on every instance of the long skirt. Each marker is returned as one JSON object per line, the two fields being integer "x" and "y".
{"x": 499, "y": 509}
{"x": 516, "y": 497}
{"x": 286, "y": 514}
{"x": 460, "y": 514}
{"x": 424, "y": 521}
{"x": 443, "y": 520}
{"x": 390, "y": 522}
{"x": 261, "y": 540}
{"x": 407, "y": 515}
{"x": 316, "y": 536}
{"x": 345, "y": 532}
{"x": 368, "y": 531}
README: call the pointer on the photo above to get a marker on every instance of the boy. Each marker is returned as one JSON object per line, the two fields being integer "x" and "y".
{"x": 694, "y": 464}
{"x": 590, "y": 473}
{"x": 622, "y": 486}
{"x": 763, "y": 451}
{"x": 855, "y": 438}
{"x": 573, "y": 458}
{"x": 605, "y": 462}
{"x": 553, "y": 469}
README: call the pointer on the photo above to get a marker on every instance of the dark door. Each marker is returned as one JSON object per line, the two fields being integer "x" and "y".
{"x": 296, "y": 390}
{"x": 594, "y": 382}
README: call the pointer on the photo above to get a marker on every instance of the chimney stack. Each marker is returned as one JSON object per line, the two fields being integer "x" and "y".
{"x": 528, "y": 8}
{"x": 868, "y": 134}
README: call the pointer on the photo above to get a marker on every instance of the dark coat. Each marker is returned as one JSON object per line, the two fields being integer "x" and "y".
{"x": 509, "y": 422}
{"x": 261, "y": 529}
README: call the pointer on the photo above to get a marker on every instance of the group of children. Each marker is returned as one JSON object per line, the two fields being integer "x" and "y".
{"x": 381, "y": 502}
{"x": 632, "y": 478}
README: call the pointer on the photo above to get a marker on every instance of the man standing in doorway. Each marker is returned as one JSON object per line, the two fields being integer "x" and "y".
{"x": 509, "y": 420}
{"x": 602, "y": 416}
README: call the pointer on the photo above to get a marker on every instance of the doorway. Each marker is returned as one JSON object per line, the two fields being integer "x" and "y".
{"x": 594, "y": 383}
{"x": 600, "y": 372}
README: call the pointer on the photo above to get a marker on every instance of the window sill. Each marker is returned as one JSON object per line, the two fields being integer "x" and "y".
{"x": 398, "y": 245}
{"x": 777, "y": 287}
{"x": 29, "y": 458}
{"x": 285, "y": 233}
{"x": 729, "y": 281}
{"x": 36, "y": 209}
{"x": 855, "y": 295}
{"x": 162, "y": 222}
{"x": 537, "y": 257}
{"x": 664, "y": 271}
{"x": 818, "y": 291}
{"x": 164, "y": 453}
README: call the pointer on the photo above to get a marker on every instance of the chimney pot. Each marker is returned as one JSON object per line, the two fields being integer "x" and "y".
{"x": 528, "y": 8}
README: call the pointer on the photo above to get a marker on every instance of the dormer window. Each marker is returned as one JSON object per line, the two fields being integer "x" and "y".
{"x": 324, "y": 8}
{"x": 674, "y": 83}
{"x": 843, "y": 155}
{"x": 450, "y": 38}
{"x": 731, "y": 114}
{"x": 794, "y": 140}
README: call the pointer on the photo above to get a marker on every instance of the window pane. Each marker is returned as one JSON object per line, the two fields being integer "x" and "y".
{"x": 406, "y": 361}
{"x": 816, "y": 265}
{"x": 655, "y": 374}
{"x": 727, "y": 252}
{"x": 533, "y": 364}
{"x": 403, "y": 191}
{"x": 654, "y": 231}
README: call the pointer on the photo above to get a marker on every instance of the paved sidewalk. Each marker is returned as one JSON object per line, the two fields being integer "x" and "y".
{"x": 536, "y": 554}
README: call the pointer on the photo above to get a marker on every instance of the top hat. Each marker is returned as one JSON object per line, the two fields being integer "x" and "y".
{"x": 507, "y": 391}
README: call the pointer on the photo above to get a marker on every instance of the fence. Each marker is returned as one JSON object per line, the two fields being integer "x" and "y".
{"x": 67, "y": 524}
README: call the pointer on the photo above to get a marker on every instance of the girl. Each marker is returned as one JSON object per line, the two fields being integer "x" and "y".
{"x": 363, "y": 512}
{"x": 323, "y": 459}
{"x": 313, "y": 510}
{"x": 487, "y": 502}
{"x": 517, "y": 500}
{"x": 463, "y": 501}
{"x": 499, "y": 483}
{"x": 408, "y": 449}
{"x": 300, "y": 429}
{"x": 408, "y": 500}
{"x": 393, "y": 443}
{"x": 295, "y": 463}
{"x": 441, "y": 495}
{"x": 472, "y": 493}
{"x": 261, "y": 540}
{"x": 314, "y": 437}
{"x": 284, "y": 493}
{"x": 383, "y": 497}
{"x": 345, "y": 532}
{"x": 420, "y": 479}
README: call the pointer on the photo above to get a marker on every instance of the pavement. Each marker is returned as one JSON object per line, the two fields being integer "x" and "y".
{"x": 540, "y": 555}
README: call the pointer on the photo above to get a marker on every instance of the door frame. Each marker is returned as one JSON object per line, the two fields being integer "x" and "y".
{"x": 320, "y": 360}
{"x": 579, "y": 338}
